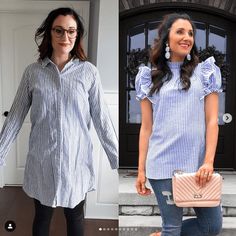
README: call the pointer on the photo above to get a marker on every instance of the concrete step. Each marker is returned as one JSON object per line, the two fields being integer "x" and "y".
{"x": 144, "y": 225}
{"x": 130, "y": 203}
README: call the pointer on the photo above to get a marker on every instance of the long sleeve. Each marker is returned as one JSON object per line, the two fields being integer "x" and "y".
{"x": 102, "y": 121}
{"x": 16, "y": 116}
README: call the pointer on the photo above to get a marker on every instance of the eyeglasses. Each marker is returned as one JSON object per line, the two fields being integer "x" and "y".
{"x": 59, "y": 32}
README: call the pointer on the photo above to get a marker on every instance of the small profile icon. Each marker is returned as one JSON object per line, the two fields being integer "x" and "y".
{"x": 10, "y": 226}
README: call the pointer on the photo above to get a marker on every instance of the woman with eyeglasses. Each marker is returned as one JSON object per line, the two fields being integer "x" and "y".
{"x": 64, "y": 93}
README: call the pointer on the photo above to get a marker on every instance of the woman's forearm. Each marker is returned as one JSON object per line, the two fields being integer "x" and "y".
{"x": 212, "y": 130}
{"x": 145, "y": 133}
{"x": 143, "y": 147}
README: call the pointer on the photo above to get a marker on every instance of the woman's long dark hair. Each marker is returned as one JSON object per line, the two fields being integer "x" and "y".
{"x": 43, "y": 34}
{"x": 163, "y": 72}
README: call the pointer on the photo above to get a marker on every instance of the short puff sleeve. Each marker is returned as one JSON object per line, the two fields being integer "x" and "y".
{"x": 210, "y": 77}
{"x": 143, "y": 84}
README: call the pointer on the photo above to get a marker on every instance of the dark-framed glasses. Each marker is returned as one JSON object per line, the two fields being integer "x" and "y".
{"x": 60, "y": 31}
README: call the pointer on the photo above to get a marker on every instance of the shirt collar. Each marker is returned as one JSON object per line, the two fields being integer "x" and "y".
{"x": 174, "y": 65}
{"x": 46, "y": 61}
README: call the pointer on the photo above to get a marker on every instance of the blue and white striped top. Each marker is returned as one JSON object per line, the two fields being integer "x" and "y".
{"x": 177, "y": 141}
{"x": 59, "y": 168}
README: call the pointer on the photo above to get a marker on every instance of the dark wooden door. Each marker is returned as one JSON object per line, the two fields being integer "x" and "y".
{"x": 137, "y": 33}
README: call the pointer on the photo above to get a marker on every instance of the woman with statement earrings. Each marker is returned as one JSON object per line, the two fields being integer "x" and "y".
{"x": 64, "y": 93}
{"x": 179, "y": 129}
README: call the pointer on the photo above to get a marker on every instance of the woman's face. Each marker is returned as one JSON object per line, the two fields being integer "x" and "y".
{"x": 63, "y": 33}
{"x": 180, "y": 39}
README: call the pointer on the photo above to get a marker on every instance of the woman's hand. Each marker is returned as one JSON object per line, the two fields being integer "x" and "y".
{"x": 140, "y": 185}
{"x": 204, "y": 174}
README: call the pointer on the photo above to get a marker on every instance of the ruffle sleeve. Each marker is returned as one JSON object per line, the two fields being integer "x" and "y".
{"x": 210, "y": 77}
{"x": 143, "y": 84}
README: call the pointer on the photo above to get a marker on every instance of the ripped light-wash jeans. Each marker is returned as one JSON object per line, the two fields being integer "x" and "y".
{"x": 208, "y": 220}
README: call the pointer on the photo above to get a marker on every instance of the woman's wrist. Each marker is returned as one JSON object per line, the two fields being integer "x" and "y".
{"x": 209, "y": 160}
{"x": 141, "y": 171}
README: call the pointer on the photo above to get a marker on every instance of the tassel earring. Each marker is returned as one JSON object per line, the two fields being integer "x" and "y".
{"x": 167, "y": 49}
{"x": 189, "y": 57}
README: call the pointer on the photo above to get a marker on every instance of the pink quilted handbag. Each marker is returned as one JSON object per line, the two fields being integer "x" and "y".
{"x": 187, "y": 193}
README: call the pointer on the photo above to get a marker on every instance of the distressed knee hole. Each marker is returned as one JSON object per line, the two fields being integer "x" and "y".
{"x": 169, "y": 199}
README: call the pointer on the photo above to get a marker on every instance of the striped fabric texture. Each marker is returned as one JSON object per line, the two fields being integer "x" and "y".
{"x": 59, "y": 168}
{"x": 177, "y": 141}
